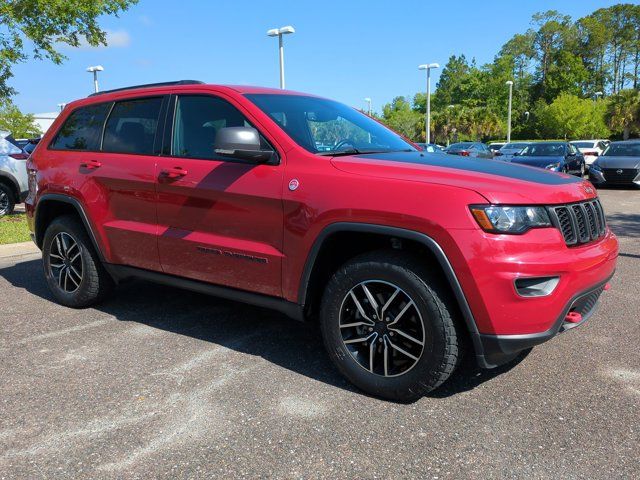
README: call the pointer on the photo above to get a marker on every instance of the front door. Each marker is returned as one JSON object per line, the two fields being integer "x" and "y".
{"x": 220, "y": 220}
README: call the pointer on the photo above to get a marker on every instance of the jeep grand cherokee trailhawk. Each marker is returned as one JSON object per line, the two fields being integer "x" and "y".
{"x": 309, "y": 207}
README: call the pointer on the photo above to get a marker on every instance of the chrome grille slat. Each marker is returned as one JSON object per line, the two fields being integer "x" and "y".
{"x": 579, "y": 223}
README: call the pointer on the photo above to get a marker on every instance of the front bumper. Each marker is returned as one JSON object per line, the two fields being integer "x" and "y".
{"x": 500, "y": 349}
{"x": 490, "y": 273}
{"x": 614, "y": 176}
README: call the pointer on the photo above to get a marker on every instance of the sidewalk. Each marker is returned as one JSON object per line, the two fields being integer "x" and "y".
{"x": 18, "y": 249}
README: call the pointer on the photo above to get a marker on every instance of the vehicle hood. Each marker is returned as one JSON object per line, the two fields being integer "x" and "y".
{"x": 535, "y": 161}
{"x": 619, "y": 162}
{"x": 497, "y": 181}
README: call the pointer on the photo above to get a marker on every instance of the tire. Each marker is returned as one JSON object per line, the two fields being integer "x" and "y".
{"x": 7, "y": 200}
{"x": 441, "y": 349}
{"x": 86, "y": 281}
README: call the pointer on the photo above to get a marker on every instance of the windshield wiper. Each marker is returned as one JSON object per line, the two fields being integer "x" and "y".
{"x": 355, "y": 151}
{"x": 349, "y": 151}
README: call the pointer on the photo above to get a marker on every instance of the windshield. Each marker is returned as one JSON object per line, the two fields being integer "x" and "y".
{"x": 543, "y": 150}
{"x": 327, "y": 127}
{"x": 584, "y": 144}
{"x": 622, "y": 150}
{"x": 459, "y": 146}
{"x": 514, "y": 146}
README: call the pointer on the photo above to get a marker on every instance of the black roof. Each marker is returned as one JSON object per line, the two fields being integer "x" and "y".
{"x": 150, "y": 85}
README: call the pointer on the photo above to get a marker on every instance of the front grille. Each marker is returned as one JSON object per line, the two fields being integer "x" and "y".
{"x": 626, "y": 175}
{"x": 579, "y": 222}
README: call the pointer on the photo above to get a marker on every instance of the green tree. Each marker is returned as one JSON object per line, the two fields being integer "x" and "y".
{"x": 552, "y": 32}
{"x": 39, "y": 27}
{"x": 20, "y": 125}
{"x": 623, "y": 113}
{"x": 571, "y": 117}
{"x": 401, "y": 117}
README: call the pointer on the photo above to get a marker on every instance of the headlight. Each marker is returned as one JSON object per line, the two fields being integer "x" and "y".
{"x": 498, "y": 219}
{"x": 553, "y": 166}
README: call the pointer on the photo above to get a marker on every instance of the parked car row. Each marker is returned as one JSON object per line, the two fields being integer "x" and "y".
{"x": 615, "y": 163}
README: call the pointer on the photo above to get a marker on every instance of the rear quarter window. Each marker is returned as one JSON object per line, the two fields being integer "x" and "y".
{"x": 82, "y": 129}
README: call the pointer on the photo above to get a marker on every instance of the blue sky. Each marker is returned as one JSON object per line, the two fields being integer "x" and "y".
{"x": 346, "y": 50}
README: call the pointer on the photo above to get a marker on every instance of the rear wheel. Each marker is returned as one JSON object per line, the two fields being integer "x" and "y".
{"x": 387, "y": 325}
{"x": 72, "y": 268}
{"x": 7, "y": 200}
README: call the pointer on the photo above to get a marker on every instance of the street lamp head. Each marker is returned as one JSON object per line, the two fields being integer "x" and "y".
{"x": 509, "y": 82}
{"x": 427, "y": 66}
{"x": 434, "y": 65}
{"x": 274, "y": 32}
{"x": 597, "y": 94}
{"x": 97, "y": 68}
{"x": 368, "y": 100}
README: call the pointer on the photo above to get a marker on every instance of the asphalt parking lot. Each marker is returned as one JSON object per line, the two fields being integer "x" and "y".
{"x": 159, "y": 382}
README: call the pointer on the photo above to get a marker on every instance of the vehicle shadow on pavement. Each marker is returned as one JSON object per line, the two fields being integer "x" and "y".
{"x": 624, "y": 224}
{"x": 254, "y": 331}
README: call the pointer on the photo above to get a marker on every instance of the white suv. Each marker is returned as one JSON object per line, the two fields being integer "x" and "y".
{"x": 591, "y": 149}
{"x": 13, "y": 174}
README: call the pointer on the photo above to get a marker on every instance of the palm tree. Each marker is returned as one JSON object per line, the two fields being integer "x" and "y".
{"x": 623, "y": 112}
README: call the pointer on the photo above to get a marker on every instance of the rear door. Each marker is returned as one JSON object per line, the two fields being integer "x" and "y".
{"x": 104, "y": 156}
{"x": 221, "y": 221}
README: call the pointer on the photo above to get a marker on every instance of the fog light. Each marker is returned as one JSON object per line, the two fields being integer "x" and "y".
{"x": 536, "y": 287}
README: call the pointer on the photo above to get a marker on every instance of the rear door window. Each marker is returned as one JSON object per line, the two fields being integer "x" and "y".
{"x": 132, "y": 126}
{"x": 83, "y": 129}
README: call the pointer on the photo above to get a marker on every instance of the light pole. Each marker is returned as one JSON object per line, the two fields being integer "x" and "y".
{"x": 510, "y": 83}
{"x": 95, "y": 70}
{"x": 597, "y": 95}
{"x": 61, "y": 106}
{"x": 278, "y": 32}
{"x": 428, "y": 67}
{"x": 526, "y": 114}
{"x": 368, "y": 100}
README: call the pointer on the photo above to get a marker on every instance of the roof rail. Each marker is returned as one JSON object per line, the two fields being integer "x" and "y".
{"x": 149, "y": 85}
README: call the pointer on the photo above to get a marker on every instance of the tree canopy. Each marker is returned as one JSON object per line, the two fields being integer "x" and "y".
{"x": 37, "y": 28}
{"x": 571, "y": 79}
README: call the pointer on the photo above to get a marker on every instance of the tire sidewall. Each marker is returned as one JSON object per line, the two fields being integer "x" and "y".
{"x": 434, "y": 348}
{"x": 79, "y": 237}
{"x": 12, "y": 203}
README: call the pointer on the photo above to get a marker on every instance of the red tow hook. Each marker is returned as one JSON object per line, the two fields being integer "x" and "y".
{"x": 573, "y": 317}
{"x": 607, "y": 287}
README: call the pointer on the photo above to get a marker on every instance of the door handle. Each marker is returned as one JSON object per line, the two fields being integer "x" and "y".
{"x": 175, "y": 172}
{"x": 91, "y": 164}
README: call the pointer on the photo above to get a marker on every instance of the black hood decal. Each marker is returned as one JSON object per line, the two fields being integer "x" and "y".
{"x": 480, "y": 165}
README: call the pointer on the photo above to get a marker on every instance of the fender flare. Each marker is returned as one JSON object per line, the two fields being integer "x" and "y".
{"x": 75, "y": 203}
{"x": 419, "y": 237}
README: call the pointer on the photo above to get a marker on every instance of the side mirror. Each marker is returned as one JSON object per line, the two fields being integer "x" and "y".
{"x": 242, "y": 143}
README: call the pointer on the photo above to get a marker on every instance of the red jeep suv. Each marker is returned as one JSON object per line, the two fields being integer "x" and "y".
{"x": 307, "y": 206}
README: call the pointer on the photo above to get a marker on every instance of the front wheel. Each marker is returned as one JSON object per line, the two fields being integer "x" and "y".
{"x": 387, "y": 325}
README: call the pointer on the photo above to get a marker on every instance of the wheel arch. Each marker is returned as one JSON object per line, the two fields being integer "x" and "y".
{"x": 53, "y": 205}
{"x": 323, "y": 239}
{"x": 12, "y": 183}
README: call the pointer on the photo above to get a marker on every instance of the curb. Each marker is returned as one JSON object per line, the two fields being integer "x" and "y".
{"x": 18, "y": 249}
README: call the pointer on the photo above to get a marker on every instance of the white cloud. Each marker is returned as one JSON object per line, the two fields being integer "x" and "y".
{"x": 146, "y": 20}
{"x": 115, "y": 39}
